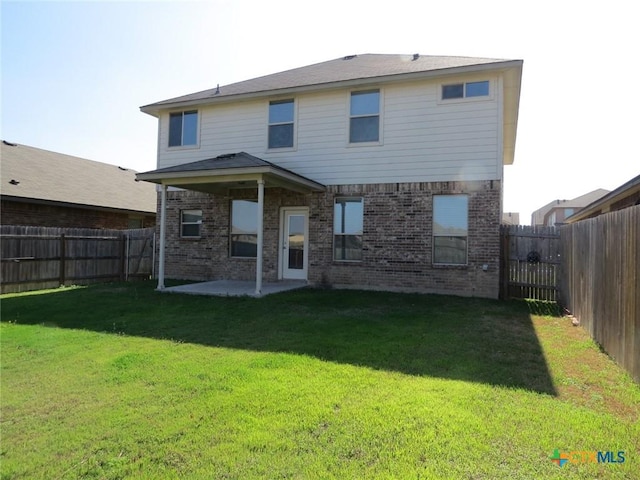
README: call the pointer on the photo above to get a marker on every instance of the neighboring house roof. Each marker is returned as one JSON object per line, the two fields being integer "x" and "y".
{"x": 362, "y": 70}
{"x": 538, "y": 217}
{"x": 604, "y": 204}
{"x": 231, "y": 170}
{"x": 31, "y": 174}
{"x": 510, "y": 218}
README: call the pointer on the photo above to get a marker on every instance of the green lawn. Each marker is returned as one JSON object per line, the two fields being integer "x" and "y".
{"x": 120, "y": 381}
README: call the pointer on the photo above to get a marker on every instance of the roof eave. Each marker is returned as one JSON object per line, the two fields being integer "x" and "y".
{"x": 629, "y": 188}
{"x": 84, "y": 206}
{"x": 275, "y": 176}
{"x": 512, "y": 88}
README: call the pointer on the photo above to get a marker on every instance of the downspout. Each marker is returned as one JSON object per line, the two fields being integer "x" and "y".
{"x": 163, "y": 221}
{"x": 260, "y": 237}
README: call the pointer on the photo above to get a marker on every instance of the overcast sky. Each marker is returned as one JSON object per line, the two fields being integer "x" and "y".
{"x": 74, "y": 74}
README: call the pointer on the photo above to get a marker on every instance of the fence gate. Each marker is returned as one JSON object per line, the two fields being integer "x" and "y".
{"x": 529, "y": 262}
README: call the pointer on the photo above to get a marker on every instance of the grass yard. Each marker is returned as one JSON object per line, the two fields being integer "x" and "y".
{"x": 119, "y": 381}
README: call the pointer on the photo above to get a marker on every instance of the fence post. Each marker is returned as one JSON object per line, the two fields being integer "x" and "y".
{"x": 504, "y": 262}
{"x": 63, "y": 255}
{"x": 123, "y": 259}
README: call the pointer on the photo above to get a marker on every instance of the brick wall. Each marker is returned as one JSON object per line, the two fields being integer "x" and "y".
{"x": 41, "y": 215}
{"x": 397, "y": 239}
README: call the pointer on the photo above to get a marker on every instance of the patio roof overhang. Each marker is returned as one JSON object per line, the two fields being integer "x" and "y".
{"x": 230, "y": 171}
{"x": 222, "y": 173}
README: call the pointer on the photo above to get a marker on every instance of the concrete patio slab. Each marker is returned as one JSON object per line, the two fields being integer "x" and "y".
{"x": 236, "y": 288}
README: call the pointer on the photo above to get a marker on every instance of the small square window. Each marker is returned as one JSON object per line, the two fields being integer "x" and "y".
{"x": 190, "y": 222}
{"x": 477, "y": 89}
{"x": 465, "y": 90}
{"x": 183, "y": 128}
{"x": 453, "y": 91}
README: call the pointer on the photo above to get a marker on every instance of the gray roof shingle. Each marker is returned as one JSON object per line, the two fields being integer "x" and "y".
{"x": 353, "y": 67}
{"x": 31, "y": 173}
{"x": 229, "y": 160}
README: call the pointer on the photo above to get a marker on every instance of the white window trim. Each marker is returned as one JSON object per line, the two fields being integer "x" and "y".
{"x": 294, "y": 147}
{"x": 198, "y": 127}
{"x": 485, "y": 98}
{"x": 380, "y": 118}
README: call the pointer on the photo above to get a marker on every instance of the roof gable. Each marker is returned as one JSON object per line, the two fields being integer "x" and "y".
{"x": 29, "y": 173}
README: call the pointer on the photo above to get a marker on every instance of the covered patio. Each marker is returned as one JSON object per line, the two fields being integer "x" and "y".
{"x": 221, "y": 174}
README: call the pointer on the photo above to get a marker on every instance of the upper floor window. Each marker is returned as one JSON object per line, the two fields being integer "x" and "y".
{"x": 348, "y": 214}
{"x": 281, "y": 114}
{"x": 244, "y": 228}
{"x": 183, "y": 128}
{"x": 450, "y": 229}
{"x": 364, "y": 125}
{"x": 190, "y": 222}
{"x": 465, "y": 90}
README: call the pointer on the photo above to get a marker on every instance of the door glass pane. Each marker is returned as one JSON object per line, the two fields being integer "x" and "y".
{"x": 296, "y": 242}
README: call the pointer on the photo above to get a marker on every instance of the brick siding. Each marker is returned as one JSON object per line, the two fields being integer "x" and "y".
{"x": 41, "y": 215}
{"x": 397, "y": 238}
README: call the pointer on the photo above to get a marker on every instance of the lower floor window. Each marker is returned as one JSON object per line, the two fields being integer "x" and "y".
{"x": 450, "y": 229}
{"x": 348, "y": 222}
{"x": 244, "y": 228}
{"x": 190, "y": 222}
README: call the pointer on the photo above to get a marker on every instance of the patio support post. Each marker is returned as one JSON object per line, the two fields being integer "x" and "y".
{"x": 163, "y": 222}
{"x": 260, "y": 237}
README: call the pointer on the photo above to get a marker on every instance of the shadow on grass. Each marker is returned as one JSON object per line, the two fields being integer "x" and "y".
{"x": 449, "y": 337}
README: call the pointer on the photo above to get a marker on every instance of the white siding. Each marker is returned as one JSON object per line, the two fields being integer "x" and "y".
{"x": 423, "y": 139}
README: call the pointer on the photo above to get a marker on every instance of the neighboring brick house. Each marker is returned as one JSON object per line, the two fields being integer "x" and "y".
{"x": 48, "y": 189}
{"x": 556, "y": 212}
{"x": 626, "y": 195}
{"x": 368, "y": 171}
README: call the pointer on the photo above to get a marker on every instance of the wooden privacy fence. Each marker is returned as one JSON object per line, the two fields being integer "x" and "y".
{"x": 529, "y": 262}
{"x": 33, "y": 258}
{"x": 600, "y": 282}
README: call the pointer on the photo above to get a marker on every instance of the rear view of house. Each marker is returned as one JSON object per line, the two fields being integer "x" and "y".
{"x": 368, "y": 171}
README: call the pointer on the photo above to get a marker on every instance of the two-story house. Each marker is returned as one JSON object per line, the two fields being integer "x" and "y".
{"x": 368, "y": 171}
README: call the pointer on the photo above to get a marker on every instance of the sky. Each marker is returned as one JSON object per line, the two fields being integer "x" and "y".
{"x": 74, "y": 74}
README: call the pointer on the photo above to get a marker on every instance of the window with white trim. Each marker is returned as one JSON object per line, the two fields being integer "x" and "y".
{"x": 348, "y": 215}
{"x": 465, "y": 90}
{"x": 190, "y": 222}
{"x": 450, "y": 229}
{"x": 364, "y": 116}
{"x": 183, "y": 128}
{"x": 244, "y": 228}
{"x": 281, "y": 123}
